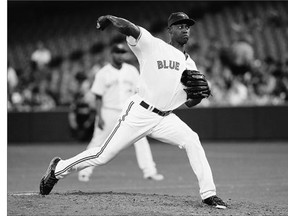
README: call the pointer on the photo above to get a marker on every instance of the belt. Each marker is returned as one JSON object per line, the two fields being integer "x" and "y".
{"x": 155, "y": 110}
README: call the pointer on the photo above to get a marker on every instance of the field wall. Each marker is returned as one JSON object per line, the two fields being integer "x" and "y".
{"x": 239, "y": 123}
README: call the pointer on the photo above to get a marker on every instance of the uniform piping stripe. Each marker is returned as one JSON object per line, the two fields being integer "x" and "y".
{"x": 103, "y": 147}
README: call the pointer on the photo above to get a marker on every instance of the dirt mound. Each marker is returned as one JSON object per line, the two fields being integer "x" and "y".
{"x": 134, "y": 204}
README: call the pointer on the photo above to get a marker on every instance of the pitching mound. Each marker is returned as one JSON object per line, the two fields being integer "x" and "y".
{"x": 111, "y": 203}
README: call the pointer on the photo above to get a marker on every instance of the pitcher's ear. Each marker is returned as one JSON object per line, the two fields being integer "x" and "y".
{"x": 169, "y": 29}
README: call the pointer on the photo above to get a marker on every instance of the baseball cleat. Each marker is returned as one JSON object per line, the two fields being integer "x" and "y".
{"x": 215, "y": 201}
{"x": 49, "y": 179}
{"x": 155, "y": 177}
{"x": 83, "y": 178}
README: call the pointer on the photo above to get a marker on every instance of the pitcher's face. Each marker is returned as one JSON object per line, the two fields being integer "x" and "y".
{"x": 180, "y": 33}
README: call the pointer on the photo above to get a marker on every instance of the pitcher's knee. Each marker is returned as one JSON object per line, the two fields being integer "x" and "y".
{"x": 192, "y": 139}
{"x": 193, "y": 136}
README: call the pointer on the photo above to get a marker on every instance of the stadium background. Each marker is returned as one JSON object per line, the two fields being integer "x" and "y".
{"x": 243, "y": 125}
{"x": 242, "y": 48}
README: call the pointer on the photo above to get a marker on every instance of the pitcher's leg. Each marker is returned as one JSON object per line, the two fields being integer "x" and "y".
{"x": 131, "y": 127}
{"x": 98, "y": 138}
{"x": 110, "y": 117}
{"x": 121, "y": 136}
{"x": 174, "y": 131}
{"x": 200, "y": 166}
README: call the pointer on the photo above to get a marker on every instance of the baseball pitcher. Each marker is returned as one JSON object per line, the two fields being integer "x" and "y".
{"x": 150, "y": 112}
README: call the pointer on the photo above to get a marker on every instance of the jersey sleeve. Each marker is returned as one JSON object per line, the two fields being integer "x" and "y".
{"x": 144, "y": 42}
{"x": 98, "y": 86}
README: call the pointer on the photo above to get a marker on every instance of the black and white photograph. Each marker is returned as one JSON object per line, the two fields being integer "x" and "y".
{"x": 141, "y": 108}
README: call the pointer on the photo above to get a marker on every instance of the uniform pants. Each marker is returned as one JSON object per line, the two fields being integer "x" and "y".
{"x": 142, "y": 147}
{"x": 135, "y": 123}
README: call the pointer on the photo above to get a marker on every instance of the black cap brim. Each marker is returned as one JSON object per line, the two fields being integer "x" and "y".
{"x": 189, "y": 22}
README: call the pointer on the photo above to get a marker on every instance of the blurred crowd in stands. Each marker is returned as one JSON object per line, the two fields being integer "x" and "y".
{"x": 54, "y": 81}
{"x": 236, "y": 76}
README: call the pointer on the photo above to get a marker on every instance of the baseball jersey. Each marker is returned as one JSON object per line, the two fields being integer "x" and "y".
{"x": 161, "y": 67}
{"x": 114, "y": 85}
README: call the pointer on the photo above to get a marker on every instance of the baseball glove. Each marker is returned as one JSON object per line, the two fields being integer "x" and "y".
{"x": 196, "y": 84}
{"x": 103, "y": 22}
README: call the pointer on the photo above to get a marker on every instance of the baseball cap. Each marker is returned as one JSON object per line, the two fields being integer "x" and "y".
{"x": 180, "y": 17}
{"x": 118, "y": 48}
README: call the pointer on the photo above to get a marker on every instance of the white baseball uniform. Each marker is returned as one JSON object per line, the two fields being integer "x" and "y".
{"x": 161, "y": 66}
{"x": 116, "y": 86}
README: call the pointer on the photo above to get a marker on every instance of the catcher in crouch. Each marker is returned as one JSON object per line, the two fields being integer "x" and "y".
{"x": 149, "y": 112}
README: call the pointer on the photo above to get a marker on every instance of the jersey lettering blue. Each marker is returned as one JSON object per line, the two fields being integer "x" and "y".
{"x": 165, "y": 64}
